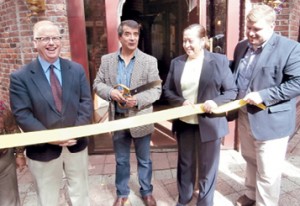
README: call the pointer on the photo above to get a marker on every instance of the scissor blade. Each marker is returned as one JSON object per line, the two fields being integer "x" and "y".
{"x": 145, "y": 87}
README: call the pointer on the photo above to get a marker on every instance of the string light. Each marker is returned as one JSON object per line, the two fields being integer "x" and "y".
{"x": 276, "y": 4}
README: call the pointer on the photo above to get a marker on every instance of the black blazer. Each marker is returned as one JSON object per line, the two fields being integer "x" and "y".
{"x": 33, "y": 105}
{"x": 216, "y": 83}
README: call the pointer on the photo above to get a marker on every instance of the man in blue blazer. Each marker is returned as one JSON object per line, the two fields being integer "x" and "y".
{"x": 267, "y": 70}
{"x": 36, "y": 106}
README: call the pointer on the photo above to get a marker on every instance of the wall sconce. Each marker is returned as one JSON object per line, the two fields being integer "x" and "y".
{"x": 276, "y": 4}
{"x": 36, "y": 6}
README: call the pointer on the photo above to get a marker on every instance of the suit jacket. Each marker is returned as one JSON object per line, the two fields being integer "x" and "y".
{"x": 276, "y": 77}
{"x": 144, "y": 71}
{"x": 33, "y": 105}
{"x": 216, "y": 83}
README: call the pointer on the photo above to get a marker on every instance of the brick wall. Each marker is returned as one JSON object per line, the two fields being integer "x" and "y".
{"x": 294, "y": 23}
{"x": 287, "y": 23}
{"x": 10, "y": 56}
{"x": 16, "y": 47}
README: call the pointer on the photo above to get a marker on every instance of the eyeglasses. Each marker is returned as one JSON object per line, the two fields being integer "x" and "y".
{"x": 55, "y": 39}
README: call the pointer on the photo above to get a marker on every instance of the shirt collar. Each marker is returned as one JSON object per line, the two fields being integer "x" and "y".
{"x": 119, "y": 54}
{"x": 45, "y": 64}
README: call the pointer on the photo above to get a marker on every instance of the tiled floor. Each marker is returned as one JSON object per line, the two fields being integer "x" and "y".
{"x": 229, "y": 187}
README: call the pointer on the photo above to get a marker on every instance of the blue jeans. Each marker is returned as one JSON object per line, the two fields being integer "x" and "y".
{"x": 122, "y": 142}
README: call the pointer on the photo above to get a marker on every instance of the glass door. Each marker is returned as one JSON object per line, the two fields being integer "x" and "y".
{"x": 216, "y": 25}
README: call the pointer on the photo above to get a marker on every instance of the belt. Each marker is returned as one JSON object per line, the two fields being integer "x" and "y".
{"x": 3, "y": 152}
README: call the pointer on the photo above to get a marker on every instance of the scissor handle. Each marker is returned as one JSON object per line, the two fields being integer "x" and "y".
{"x": 126, "y": 93}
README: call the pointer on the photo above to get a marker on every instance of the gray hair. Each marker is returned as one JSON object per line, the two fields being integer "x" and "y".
{"x": 42, "y": 24}
{"x": 130, "y": 23}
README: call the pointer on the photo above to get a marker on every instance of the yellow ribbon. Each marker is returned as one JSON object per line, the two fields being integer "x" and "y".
{"x": 38, "y": 137}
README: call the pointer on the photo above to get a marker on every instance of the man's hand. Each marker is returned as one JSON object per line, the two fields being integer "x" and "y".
{"x": 65, "y": 143}
{"x": 130, "y": 102}
{"x": 20, "y": 162}
{"x": 117, "y": 96}
{"x": 253, "y": 98}
{"x": 209, "y": 105}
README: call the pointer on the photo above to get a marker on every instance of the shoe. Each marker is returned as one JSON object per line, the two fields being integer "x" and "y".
{"x": 244, "y": 201}
{"x": 149, "y": 200}
{"x": 121, "y": 201}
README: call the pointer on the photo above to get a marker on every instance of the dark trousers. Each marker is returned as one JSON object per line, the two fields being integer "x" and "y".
{"x": 193, "y": 152}
{"x": 122, "y": 141}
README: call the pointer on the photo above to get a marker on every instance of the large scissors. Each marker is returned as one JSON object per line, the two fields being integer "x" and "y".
{"x": 130, "y": 92}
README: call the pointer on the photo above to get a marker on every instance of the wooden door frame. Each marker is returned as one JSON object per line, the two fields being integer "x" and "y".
{"x": 231, "y": 141}
{"x": 77, "y": 33}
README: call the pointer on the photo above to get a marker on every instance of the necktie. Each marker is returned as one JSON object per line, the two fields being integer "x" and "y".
{"x": 56, "y": 89}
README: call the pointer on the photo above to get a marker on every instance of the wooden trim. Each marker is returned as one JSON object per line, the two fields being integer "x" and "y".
{"x": 202, "y": 12}
{"x": 112, "y": 22}
{"x": 77, "y": 33}
{"x": 233, "y": 26}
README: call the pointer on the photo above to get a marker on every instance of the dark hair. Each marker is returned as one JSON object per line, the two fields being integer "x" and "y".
{"x": 201, "y": 32}
{"x": 130, "y": 23}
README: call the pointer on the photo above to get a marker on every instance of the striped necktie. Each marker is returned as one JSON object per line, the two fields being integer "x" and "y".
{"x": 56, "y": 89}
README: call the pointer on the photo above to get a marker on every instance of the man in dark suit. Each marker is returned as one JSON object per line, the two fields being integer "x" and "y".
{"x": 267, "y": 70}
{"x": 48, "y": 93}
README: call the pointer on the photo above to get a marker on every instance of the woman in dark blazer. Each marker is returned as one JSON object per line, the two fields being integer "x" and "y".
{"x": 199, "y": 77}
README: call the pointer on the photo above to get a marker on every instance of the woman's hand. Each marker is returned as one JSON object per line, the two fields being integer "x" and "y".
{"x": 187, "y": 102}
{"x": 209, "y": 105}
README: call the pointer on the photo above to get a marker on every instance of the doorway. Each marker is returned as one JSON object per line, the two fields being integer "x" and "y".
{"x": 162, "y": 23}
{"x": 161, "y": 27}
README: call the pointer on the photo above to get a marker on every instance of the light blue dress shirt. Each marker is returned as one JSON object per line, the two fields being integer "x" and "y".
{"x": 57, "y": 70}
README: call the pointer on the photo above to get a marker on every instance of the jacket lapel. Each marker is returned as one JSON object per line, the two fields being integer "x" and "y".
{"x": 267, "y": 51}
{"x": 39, "y": 78}
{"x": 206, "y": 74}
{"x": 178, "y": 70}
{"x": 113, "y": 68}
{"x": 67, "y": 79}
{"x": 240, "y": 54}
{"x": 137, "y": 71}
